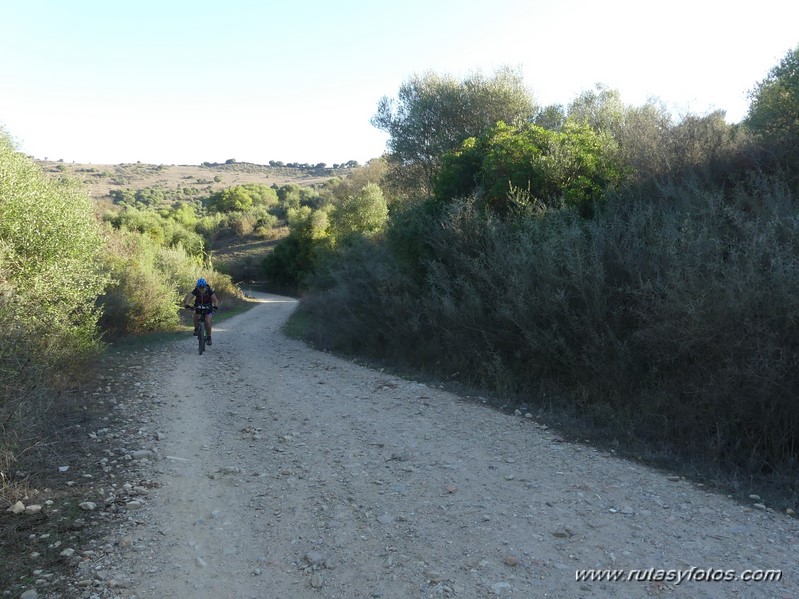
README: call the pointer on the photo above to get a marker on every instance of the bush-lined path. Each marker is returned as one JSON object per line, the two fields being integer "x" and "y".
{"x": 279, "y": 471}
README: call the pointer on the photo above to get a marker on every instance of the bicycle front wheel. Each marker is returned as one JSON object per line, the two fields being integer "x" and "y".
{"x": 201, "y": 336}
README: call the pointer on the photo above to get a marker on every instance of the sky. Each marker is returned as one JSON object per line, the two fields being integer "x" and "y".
{"x": 186, "y": 82}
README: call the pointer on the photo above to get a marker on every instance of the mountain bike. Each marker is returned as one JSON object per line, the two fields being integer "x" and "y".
{"x": 202, "y": 310}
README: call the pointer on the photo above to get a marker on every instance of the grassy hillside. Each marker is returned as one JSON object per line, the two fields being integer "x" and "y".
{"x": 102, "y": 179}
{"x": 239, "y": 255}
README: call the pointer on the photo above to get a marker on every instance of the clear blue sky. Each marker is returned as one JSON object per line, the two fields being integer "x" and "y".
{"x": 183, "y": 82}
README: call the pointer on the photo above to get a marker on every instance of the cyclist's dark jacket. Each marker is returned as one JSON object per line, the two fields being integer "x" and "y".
{"x": 202, "y": 296}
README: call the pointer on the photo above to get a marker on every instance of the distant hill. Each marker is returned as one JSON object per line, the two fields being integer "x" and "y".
{"x": 196, "y": 180}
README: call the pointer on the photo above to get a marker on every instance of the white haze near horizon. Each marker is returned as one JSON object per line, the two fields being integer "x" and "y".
{"x": 179, "y": 82}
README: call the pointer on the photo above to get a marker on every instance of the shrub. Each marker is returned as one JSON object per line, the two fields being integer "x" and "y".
{"x": 575, "y": 165}
{"x": 50, "y": 277}
{"x": 145, "y": 295}
{"x": 675, "y": 312}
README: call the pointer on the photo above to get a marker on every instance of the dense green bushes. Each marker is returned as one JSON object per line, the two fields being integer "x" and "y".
{"x": 148, "y": 284}
{"x": 323, "y": 223}
{"x": 50, "y": 246}
{"x": 680, "y": 310}
{"x": 50, "y": 276}
{"x": 667, "y": 312}
{"x": 575, "y": 165}
{"x": 242, "y": 197}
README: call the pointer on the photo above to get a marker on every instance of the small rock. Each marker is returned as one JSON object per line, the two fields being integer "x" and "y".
{"x": 790, "y": 512}
{"x": 88, "y": 506}
{"x": 17, "y": 508}
{"x": 133, "y": 505}
{"x": 760, "y": 506}
{"x": 316, "y": 580}
{"x": 314, "y": 558}
{"x": 69, "y": 552}
{"x": 755, "y": 497}
{"x": 230, "y": 470}
{"x": 385, "y": 519}
{"x": 29, "y": 594}
{"x": 512, "y": 561}
{"x": 627, "y": 510}
{"x": 33, "y": 509}
{"x": 563, "y": 533}
{"x": 673, "y": 479}
{"x": 433, "y": 576}
{"x": 499, "y": 587}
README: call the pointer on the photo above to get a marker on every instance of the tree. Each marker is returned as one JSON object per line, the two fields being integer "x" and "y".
{"x": 774, "y": 111}
{"x": 775, "y": 100}
{"x": 643, "y": 140}
{"x": 49, "y": 239}
{"x": 575, "y": 165}
{"x": 600, "y": 108}
{"x": 243, "y": 197}
{"x": 294, "y": 257}
{"x": 231, "y": 199}
{"x": 551, "y": 117}
{"x": 364, "y": 212}
{"x": 434, "y": 114}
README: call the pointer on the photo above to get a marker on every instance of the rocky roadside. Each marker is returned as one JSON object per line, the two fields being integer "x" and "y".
{"x": 82, "y": 519}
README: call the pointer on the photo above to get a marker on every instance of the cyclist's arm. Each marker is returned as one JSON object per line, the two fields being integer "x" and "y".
{"x": 214, "y": 300}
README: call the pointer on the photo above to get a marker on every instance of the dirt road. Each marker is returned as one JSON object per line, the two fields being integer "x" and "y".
{"x": 276, "y": 471}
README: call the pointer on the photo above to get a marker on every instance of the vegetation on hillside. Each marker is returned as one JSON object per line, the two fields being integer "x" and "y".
{"x": 641, "y": 269}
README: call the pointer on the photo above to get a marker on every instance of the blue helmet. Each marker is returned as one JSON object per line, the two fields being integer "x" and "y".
{"x": 202, "y": 282}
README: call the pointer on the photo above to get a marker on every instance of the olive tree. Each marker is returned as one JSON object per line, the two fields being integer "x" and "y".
{"x": 433, "y": 114}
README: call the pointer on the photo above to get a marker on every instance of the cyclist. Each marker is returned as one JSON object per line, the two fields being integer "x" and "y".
{"x": 203, "y": 296}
